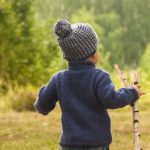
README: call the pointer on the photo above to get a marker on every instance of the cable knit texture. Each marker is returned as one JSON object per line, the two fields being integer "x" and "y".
{"x": 84, "y": 93}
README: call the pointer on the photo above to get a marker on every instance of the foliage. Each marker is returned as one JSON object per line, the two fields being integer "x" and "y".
{"x": 24, "y": 50}
{"x": 19, "y": 98}
{"x": 145, "y": 61}
{"x": 23, "y": 99}
{"x": 28, "y": 49}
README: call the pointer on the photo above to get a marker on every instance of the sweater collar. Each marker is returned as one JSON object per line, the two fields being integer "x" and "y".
{"x": 81, "y": 64}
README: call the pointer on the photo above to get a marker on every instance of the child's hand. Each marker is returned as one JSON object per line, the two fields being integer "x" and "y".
{"x": 138, "y": 89}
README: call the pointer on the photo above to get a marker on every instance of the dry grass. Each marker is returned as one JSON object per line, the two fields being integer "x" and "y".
{"x": 31, "y": 131}
{"x": 122, "y": 130}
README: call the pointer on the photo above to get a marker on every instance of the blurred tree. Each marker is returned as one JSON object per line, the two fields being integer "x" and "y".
{"x": 8, "y": 35}
{"x": 28, "y": 48}
{"x": 125, "y": 25}
{"x": 25, "y": 49}
{"x": 145, "y": 61}
{"x": 136, "y": 23}
{"x": 112, "y": 37}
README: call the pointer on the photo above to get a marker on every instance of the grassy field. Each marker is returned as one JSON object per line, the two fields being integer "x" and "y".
{"x": 32, "y": 131}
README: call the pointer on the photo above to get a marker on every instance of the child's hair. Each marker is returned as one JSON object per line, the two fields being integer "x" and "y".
{"x": 77, "y": 41}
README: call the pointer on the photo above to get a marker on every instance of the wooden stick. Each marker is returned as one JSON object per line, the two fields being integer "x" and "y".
{"x": 135, "y": 110}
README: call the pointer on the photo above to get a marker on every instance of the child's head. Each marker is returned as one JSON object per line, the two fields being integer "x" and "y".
{"x": 77, "y": 41}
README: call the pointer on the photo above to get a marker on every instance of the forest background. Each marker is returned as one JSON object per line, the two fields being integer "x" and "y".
{"x": 29, "y": 55}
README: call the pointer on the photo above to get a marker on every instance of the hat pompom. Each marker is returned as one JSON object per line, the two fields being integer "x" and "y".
{"x": 63, "y": 28}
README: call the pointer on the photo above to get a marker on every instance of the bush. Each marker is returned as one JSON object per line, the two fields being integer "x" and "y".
{"x": 18, "y": 99}
{"x": 23, "y": 99}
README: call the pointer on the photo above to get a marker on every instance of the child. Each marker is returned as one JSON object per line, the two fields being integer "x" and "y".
{"x": 84, "y": 92}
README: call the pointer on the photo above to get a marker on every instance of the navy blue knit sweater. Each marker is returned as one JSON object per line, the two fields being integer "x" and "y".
{"x": 84, "y": 93}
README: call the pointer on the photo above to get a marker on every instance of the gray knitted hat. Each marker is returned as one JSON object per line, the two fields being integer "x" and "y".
{"x": 77, "y": 41}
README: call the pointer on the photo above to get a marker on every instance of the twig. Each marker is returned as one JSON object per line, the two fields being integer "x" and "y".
{"x": 135, "y": 110}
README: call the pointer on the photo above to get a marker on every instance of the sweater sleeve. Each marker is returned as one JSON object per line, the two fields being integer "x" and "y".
{"x": 111, "y": 99}
{"x": 47, "y": 98}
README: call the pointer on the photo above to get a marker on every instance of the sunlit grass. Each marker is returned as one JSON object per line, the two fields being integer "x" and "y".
{"x": 32, "y": 131}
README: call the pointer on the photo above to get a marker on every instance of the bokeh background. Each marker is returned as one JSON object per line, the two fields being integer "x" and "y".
{"x": 29, "y": 56}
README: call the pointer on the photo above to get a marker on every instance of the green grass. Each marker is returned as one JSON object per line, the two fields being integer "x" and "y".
{"x": 32, "y": 131}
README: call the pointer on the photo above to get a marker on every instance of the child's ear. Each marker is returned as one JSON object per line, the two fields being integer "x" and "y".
{"x": 93, "y": 56}
{"x": 97, "y": 55}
